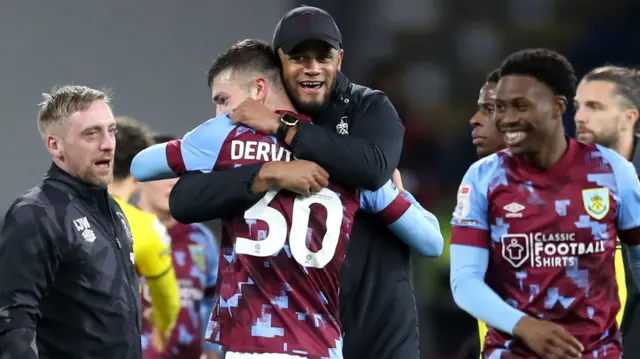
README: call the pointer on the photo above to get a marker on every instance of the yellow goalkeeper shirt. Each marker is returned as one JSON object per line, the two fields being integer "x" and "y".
{"x": 152, "y": 255}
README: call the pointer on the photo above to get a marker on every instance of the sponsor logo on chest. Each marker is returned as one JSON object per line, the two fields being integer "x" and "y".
{"x": 545, "y": 250}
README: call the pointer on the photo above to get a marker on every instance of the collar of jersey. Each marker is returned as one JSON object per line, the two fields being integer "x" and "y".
{"x": 79, "y": 186}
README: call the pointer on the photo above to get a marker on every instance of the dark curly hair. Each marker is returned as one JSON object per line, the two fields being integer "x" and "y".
{"x": 131, "y": 138}
{"x": 546, "y": 66}
{"x": 493, "y": 77}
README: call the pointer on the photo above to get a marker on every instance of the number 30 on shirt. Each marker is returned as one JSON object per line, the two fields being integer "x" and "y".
{"x": 277, "y": 236}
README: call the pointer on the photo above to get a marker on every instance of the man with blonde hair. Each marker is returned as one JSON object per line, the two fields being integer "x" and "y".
{"x": 66, "y": 255}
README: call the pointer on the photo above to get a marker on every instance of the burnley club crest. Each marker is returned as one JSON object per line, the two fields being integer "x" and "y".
{"x": 596, "y": 202}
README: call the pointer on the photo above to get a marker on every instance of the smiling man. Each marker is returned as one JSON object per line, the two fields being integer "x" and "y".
{"x": 356, "y": 136}
{"x": 533, "y": 239}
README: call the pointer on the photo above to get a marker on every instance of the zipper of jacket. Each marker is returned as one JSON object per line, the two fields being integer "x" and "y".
{"x": 124, "y": 257}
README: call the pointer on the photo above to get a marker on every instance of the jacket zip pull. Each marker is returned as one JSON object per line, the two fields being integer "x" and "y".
{"x": 118, "y": 243}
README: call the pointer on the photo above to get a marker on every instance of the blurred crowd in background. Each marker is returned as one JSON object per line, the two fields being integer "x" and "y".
{"x": 429, "y": 56}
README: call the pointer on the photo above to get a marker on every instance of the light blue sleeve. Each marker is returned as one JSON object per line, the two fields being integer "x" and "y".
{"x": 151, "y": 164}
{"x": 416, "y": 227}
{"x": 628, "y": 189}
{"x": 210, "y": 245}
{"x": 471, "y": 293}
{"x": 472, "y": 208}
{"x": 418, "y": 223}
{"x": 199, "y": 150}
{"x": 201, "y": 147}
{"x": 376, "y": 201}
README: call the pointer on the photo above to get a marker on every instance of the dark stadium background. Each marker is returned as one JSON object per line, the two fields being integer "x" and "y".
{"x": 431, "y": 57}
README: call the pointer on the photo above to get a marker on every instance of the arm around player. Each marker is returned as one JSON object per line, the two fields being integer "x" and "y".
{"x": 365, "y": 158}
{"x": 202, "y": 194}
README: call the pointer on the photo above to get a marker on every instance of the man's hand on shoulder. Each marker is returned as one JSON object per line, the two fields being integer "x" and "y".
{"x": 547, "y": 339}
{"x": 299, "y": 176}
{"x": 256, "y": 115}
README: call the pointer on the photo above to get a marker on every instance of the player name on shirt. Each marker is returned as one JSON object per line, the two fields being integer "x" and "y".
{"x": 281, "y": 261}
{"x": 259, "y": 151}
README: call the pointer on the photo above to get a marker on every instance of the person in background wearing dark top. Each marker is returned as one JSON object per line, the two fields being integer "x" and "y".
{"x": 607, "y": 103}
{"x": 356, "y": 136}
{"x": 66, "y": 256}
{"x": 485, "y": 135}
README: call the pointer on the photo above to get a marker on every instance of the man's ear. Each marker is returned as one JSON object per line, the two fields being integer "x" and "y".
{"x": 54, "y": 146}
{"x": 631, "y": 117}
{"x": 559, "y": 106}
{"x": 261, "y": 87}
{"x": 340, "y": 57}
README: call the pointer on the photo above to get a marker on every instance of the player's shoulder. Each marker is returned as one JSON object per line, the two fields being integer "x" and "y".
{"x": 221, "y": 121}
{"x": 31, "y": 205}
{"x": 612, "y": 157}
{"x": 486, "y": 167}
{"x": 219, "y": 125}
{"x": 210, "y": 134}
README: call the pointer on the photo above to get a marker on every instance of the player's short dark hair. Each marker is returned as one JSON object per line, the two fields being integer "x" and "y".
{"x": 493, "y": 77}
{"x": 247, "y": 55}
{"x": 546, "y": 66}
{"x": 131, "y": 138}
{"x": 626, "y": 82}
{"x": 161, "y": 138}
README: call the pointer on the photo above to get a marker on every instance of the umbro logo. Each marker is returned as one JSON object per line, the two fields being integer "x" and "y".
{"x": 514, "y": 210}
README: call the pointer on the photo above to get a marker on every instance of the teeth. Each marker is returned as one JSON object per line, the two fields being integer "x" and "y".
{"x": 514, "y": 137}
{"x": 311, "y": 83}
